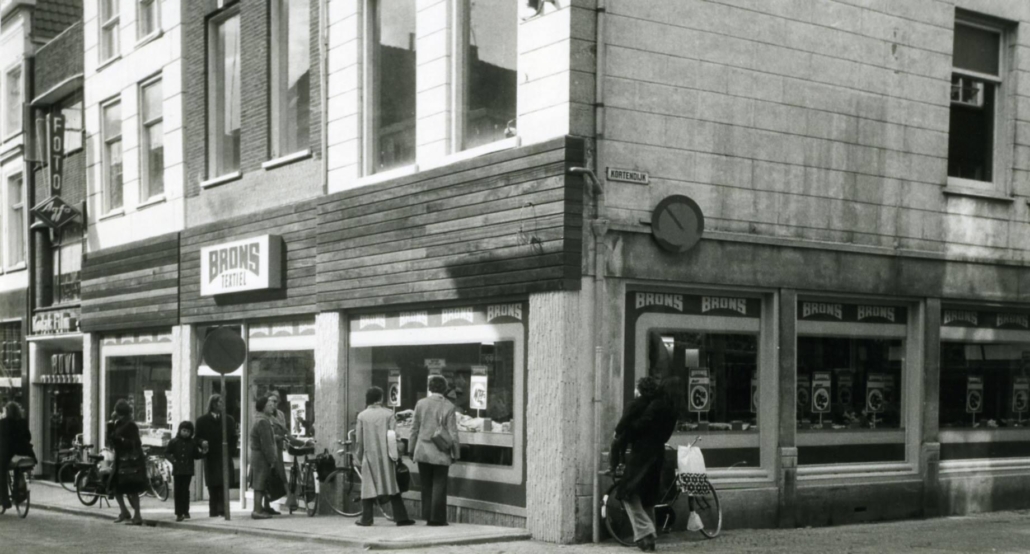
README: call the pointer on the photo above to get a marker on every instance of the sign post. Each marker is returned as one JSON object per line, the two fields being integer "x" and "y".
{"x": 699, "y": 393}
{"x": 821, "y": 384}
{"x": 974, "y": 396}
{"x": 224, "y": 351}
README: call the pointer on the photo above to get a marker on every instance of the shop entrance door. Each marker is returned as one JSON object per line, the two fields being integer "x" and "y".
{"x": 62, "y": 421}
{"x": 233, "y": 402}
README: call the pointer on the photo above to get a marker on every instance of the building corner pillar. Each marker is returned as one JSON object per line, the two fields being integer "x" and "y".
{"x": 930, "y": 451}
{"x": 787, "y": 452}
{"x": 330, "y": 377}
{"x": 92, "y": 419}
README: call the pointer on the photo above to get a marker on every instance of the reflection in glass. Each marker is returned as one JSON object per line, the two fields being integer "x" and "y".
{"x": 394, "y": 86}
{"x": 491, "y": 58}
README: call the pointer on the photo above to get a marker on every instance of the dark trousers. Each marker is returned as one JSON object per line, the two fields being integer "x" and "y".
{"x": 216, "y": 501}
{"x": 433, "y": 481}
{"x": 182, "y": 494}
{"x": 5, "y": 497}
{"x": 368, "y": 506}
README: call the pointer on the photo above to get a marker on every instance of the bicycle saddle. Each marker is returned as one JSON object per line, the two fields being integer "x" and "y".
{"x": 306, "y": 450}
{"x": 96, "y": 457}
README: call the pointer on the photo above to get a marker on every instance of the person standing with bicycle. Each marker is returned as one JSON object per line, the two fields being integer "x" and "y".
{"x": 265, "y": 459}
{"x": 15, "y": 440}
{"x": 645, "y": 427}
{"x": 378, "y": 467}
{"x": 182, "y": 451}
{"x": 130, "y": 470}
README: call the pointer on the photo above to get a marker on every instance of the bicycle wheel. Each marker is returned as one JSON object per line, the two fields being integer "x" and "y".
{"x": 707, "y": 508}
{"x": 341, "y": 491}
{"x": 20, "y": 494}
{"x": 308, "y": 491}
{"x": 86, "y": 486}
{"x": 616, "y": 520}
{"x": 159, "y": 487}
{"x": 66, "y": 476}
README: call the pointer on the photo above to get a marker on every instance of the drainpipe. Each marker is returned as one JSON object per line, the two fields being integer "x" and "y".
{"x": 323, "y": 127}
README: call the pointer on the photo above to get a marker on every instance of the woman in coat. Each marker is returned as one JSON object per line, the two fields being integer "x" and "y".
{"x": 431, "y": 413}
{"x": 15, "y": 440}
{"x": 130, "y": 474}
{"x": 182, "y": 452}
{"x": 264, "y": 456}
{"x": 645, "y": 427}
{"x": 378, "y": 469}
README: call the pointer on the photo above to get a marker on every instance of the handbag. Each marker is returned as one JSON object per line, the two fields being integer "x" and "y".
{"x": 274, "y": 487}
{"x": 442, "y": 438}
{"x": 403, "y": 477}
{"x": 132, "y": 470}
{"x": 391, "y": 444}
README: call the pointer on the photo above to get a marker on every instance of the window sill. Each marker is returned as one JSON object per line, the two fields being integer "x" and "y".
{"x": 12, "y": 135}
{"x": 287, "y": 159}
{"x": 108, "y": 62}
{"x": 497, "y": 146}
{"x": 112, "y": 214}
{"x": 154, "y": 35}
{"x": 227, "y": 178}
{"x": 16, "y": 267}
{"x": 971, "y": 189}
{"x": 159, "y": 199}
{"x": 386, "y": 175}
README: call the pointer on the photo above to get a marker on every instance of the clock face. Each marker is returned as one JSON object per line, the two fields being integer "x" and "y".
{"x": 677, "y": 223}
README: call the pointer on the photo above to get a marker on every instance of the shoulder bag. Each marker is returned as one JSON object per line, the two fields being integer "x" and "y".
{"x": 132, "y": 469}
{"x": 442, "y": 438}
{"x": 403, "y": 477}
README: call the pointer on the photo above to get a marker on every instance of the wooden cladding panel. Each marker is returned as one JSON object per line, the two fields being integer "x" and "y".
{"x": 502, "y": 224}
{"x": 295, "y": 223}
{"x": 131, "y": 286}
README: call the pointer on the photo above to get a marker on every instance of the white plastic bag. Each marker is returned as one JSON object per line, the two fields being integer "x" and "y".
{"x": 689, "y": 460}
{"x": 391, "y": 444}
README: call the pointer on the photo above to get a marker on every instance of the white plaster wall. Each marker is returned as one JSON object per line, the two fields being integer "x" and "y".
{"x": 14, "y": 47}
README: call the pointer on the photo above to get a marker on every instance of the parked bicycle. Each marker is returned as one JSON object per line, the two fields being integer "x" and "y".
{"x": 341, "y": 490}
{"x": 302, "y": 481}
{"x": 159, "y": 475}
{"x": 702, "y": 500}
{"x": 94, "y": 476}
{"x": 19, "y": 476}
{"x": 70, "y": 461}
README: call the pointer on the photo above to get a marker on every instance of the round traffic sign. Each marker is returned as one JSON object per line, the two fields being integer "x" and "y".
{"x": 677, "y": 223}
{"x": 224, "y": 350}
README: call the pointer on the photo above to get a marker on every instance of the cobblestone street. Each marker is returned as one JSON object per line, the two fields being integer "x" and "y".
{"x": 1004, "y": 532}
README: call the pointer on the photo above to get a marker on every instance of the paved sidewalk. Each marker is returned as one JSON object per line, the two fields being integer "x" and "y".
{"x": 322, "y": 528}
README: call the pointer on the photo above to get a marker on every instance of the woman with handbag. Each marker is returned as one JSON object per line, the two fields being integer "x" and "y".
{"x": 15, "y": 440}
{"x": 434, "y": 430}
{"x": 268, "y": 476}
{"x": 378, "y": 457}
{"x": 130, "y": 467}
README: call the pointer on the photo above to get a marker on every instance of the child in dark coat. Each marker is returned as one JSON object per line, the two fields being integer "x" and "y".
{"x": 182, "y": 451}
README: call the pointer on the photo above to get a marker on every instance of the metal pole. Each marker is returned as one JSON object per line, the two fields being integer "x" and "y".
{"x": 226, "y": 459}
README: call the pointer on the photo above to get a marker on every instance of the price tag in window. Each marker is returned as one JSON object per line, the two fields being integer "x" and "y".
{"x": 393, "y": 390}
{"x": 1021, "y": 395}
{"x": 974, "y": 394}
{"x": 874, "y": 397}
{"x": 477, "y": 394}
{"x": 699, "y": 393}
{"x": 821, "y": 385}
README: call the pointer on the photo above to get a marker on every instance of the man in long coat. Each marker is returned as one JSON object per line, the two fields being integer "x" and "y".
{"x": 378, "y": 470}
{"x": 209, "y": 428}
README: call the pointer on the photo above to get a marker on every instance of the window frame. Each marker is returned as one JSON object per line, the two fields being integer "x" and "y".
{"x": 105, "y": 166}
{"x": 145, "y": 125}
{"x": 9, "y": 132}
{"x": 155, "y": 5}
{"x": 11, "y": 206}
{"x": 278, "y": 58}
{"x": 212, "y": 148}
{"x": 67, "y": 104}
{"x": 110, "y": 24}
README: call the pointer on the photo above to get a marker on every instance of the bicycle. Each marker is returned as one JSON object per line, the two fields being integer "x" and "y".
{"x": 341, "y": 490}
{"x": 702, "y": 500}
{"x": 159, "y": 475}
{"x": 19, "y": 475}
{"x": 302, "y": 480}
{"x": 90, "y": 483}
{"x": 71, "y": 460}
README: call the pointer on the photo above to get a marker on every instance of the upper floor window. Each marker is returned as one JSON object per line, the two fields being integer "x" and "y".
{"x": 112, "y": 156}
{"x": 10, "y": 349}
{"x": 13, "y": 92}
{"x": 223, "y": 95}
{"x": 393, "y": 85}
{"x": 152, "y": 158}
{"x": 976, "y": 82}
{"x": 67, "y": 254}
{"x": 108, "y": 29}
{"x": 71, "y": 109}
{"x": 291, "y": 77}
{"x": 488, "y": 53}
{"x": 16, "y": 220}
{"x": 147, "y": 12}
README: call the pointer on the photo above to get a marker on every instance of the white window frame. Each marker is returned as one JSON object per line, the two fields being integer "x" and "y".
{"x": 146, "y": 194}
{"x": 277, "y": 83}
{"x": 8, "y": 130}
{"x": 999, "y": 165}
{"x": 105, "y": 165}
{"x": 12, "y": 205}
{"x": 110, "y": 23}
{"x": 212, "y": 148}
{"x": 155, "y": 5}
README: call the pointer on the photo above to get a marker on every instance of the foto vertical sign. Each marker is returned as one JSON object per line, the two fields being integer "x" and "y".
{"x": 55, "y": 152}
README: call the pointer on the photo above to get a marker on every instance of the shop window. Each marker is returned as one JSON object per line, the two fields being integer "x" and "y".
{"x": 109, "y": 29}
{"x": 292, "y": 375}
{"x": 489, "y": 59}
{"x": 71, "y": 108}
{"x": 10, "y": 350}
{"x": 67, "y": 252}
{"x": 14, "y": 98}
{"x": 152, "y": 156}
{"x": 146, "y": 383}
{"x": 147, "y": 17}
{"x": 112, "y": 167}
{"x": 393, "y": 87}
{"x": 223, "y": 99}
{"x": 976, "y": 84}
{"x": 291, "y": 77}
{"x": 16, "y": 220}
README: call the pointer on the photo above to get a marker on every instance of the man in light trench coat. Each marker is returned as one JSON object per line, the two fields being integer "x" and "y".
{"x": 378, "y": 470}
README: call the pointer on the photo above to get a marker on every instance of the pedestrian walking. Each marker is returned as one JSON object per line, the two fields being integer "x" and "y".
{"x": 278, "y": 421}
{"x": 15, "y": 440}
{"x": 182, "y": 452}
{"x": 378, "y": 467}
{"x": 265, "y": 459}
{"x": 434, "y": 429}
{"x": 130, "y": 471}
{"x": 645, "y": 427}
{"x": 209, "y": 431}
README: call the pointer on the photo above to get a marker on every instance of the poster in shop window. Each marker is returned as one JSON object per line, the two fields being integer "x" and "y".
{"x": 845, "y": 389}
{"x": 974, "y": 394}
{"x": 699, "y": 393}
{"x": 1021, "y": 395}
{"x": 149, "y": 396}
{"x": 169, "y": 418}
{"x": 298, "y": 413}
{"x": 804, "y": 392}
{"x": 889, "y": 397}
{"x": 478, "y": 388}
{"x": 821, "y": 384}
{"x": 874, "y": 397}
{"x": 393, "y": 390}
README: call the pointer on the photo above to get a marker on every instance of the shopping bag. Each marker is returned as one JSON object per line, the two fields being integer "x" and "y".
{"x": 691, "y": 475}
{"x": 275, "y": 488}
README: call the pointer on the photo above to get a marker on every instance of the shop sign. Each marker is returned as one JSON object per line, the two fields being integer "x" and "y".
{"x": 454, "y": 317}
{"x": 393, "y": 390}
{"x": 874, "y": 398}
{"x": 372, "y": 320}
{"x": 851, "y": 313}
{"x": 821, "y": 385}
{"x": 845, "y": 392}
{"x": 137, "y": 338}
{"x": 974, "y": 394}
{"x": 54, "y": 212}
{"x": 754, "y": 394}
{"x": 448, "y": 315}
{"x": 478, "y": 384}
{"x": 1021, "y": 395}
{"x": 283, "y": 329}
{"x": 628, "y": 176}
{"x": 986, "y": 319}
{"x": 689, "y": 304}
{"x": 415, "y": 318}
{"x": 498, "y": 311}
{"x": 699, "y": 390}
{"x": 804, "y": 397}
{"x": 242, "y": 265}
{"x": 55, "y": 323}
{"x": 55, "y": 151}
{"x": 435, "y": 365}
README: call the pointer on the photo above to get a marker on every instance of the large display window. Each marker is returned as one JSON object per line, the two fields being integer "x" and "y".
{"x": 857, "y": 383}
{"x": 984, "y": 409}
{"x": 480, "y": 350}
{"x": 716, "y": 350}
